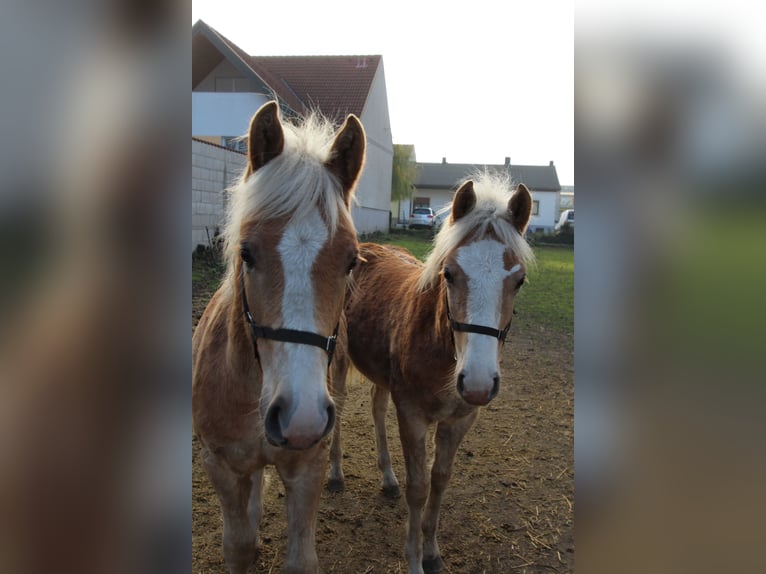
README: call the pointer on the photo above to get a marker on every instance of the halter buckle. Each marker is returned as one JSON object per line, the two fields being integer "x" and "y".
{"x": 331, "y": 340}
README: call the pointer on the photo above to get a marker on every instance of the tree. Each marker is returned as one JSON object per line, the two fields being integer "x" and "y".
{"x": 405, "y": 172}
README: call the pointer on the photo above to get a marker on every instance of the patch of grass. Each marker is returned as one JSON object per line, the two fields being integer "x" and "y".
{"x": 547, "y": 299}
{"x": 207, "y": 271}
{"x": 417, "y": 242}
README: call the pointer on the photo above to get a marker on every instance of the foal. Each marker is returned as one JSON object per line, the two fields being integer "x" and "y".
{"x": 429, "y": 335}
{"x": 261, "y": 350}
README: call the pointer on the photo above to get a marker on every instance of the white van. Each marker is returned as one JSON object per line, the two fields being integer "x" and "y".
{"x": 567, "y": 216}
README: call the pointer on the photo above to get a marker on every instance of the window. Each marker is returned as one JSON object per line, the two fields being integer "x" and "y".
{"x": 237, "y": 143}
{"x": 535, "y": 208}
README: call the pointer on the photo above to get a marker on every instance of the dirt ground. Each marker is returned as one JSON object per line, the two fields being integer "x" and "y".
{"x": 509, "y": 504}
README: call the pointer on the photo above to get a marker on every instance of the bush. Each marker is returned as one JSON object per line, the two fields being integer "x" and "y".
{"x": 564, "y": 236}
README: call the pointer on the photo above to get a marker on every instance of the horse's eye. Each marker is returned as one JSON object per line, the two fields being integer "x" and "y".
{"x": 521, "y": 282}
{"x": 447, "y": 275}
{"x": 246, "y": 255}
{"x": 352, "y": 264}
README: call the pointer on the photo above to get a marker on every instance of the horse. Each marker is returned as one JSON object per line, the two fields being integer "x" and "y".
{"x": 262, "y": 349}
{"x": 428, "y": 335}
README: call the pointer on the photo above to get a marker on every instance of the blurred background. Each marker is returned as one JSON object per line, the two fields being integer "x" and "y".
{"x": 95, "y": 294}
{"x": 95, "y": 450}
{"x": 670, "y": 272}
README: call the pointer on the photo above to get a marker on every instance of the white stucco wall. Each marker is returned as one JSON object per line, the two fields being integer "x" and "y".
{"x": 374, "y": 190}
{"x": 548, "y": 212}
{"x": 224, "y": 114}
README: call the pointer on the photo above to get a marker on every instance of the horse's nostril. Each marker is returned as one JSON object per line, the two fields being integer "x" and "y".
{"x": 460, "y": 383}
{"x": 330, "y": 419}
{"x": 495, "y": 386}
{"x": 272, "y": 427}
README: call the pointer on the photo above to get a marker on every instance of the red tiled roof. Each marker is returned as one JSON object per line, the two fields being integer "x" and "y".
{"x": 335, "y": 85}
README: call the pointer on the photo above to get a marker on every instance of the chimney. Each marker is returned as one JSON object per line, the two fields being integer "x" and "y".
{"x": 444, "y": 160}
{"x": 507, "y": 161}
{"x": 551, "y": 164}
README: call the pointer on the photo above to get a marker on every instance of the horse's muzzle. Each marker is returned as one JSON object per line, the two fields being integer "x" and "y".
{"x": 478, "y": 397}
{"x": 283, "y": 431}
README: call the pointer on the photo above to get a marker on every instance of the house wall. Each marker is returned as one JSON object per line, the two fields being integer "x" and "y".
{"x": 213, "y": 170}
{"x": 226, "y": 70}
{"x": 223, "y": 114}
{"x": 566, "y": 201}
{"x": 438, "y": 199}
{"x": 548, "y": 212}
{"x": 374, "y": 190}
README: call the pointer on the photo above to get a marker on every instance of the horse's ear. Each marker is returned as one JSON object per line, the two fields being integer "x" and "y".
{"x": 520, "y": 208}
{"x": 347, "y": 155}
{"x": 265, "y": 140}
{"x": 465, "y": 200}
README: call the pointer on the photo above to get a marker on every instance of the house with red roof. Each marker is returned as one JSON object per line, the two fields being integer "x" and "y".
{"x": 229, "y": 85}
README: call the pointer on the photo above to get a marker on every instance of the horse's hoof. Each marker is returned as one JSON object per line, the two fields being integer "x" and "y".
{"x": 433, "y": 565}
{"x": 336, "y": 485}
{"x": 392, "y": 491}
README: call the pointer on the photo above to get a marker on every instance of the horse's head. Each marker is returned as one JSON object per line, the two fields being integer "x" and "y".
{"x": 294, "y": 249}
{"x": 483, "y": 267}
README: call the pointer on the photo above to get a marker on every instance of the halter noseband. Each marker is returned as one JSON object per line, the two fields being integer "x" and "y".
{"x": 498, "y": 334}
{"x": 287, "y": 335}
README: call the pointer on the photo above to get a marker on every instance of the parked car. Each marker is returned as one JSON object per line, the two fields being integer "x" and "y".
{"x": 567, "y": 216}
{"x": 422, "y": 217}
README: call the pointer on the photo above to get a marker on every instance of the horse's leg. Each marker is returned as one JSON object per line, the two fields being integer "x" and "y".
{"x": 412, "y": 432}
{"x": 239, "y": 544}
{"x": 303, "y": 476}
{"x": 448, "y": 438}
{"x": 336, "y": 480}
{"x": 255, "y": 503}
{"x": 379, "y": 407}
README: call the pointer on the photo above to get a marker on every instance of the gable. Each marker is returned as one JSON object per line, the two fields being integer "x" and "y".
{"x": 334, "y": 85}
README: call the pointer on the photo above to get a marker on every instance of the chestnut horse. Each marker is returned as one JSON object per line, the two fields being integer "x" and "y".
{"x": 262, "y": 348}
{"x": 429, "y": 336}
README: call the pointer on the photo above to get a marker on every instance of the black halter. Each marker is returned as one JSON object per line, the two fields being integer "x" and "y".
{"x": 287, "y": 335}
{"x": 498, "y": 334}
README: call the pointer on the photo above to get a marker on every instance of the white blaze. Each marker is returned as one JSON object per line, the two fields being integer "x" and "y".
{"x": 299, "y": 370}
{"x": 482, "y": 262}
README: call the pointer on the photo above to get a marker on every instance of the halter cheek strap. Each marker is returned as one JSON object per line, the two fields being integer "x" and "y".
{"x": 498, "y": 334}
{"x": 287, "y": 335}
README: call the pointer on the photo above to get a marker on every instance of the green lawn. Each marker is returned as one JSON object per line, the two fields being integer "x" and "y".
{"x": 416, "y": 242}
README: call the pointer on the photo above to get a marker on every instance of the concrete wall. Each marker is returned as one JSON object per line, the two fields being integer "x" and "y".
{"x": 374, "y": 190}
{"x": 213, "y": 170}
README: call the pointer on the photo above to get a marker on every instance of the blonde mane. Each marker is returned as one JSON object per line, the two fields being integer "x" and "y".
{"x": 490, "y": 214}
{"x": 292, "y": 184}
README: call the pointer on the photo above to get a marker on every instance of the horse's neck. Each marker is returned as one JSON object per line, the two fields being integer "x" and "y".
{"x": 430, "y": 313}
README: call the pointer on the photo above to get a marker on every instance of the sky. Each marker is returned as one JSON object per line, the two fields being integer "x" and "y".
{"x": 475, "y": 83}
